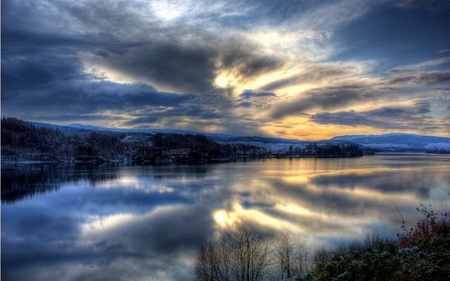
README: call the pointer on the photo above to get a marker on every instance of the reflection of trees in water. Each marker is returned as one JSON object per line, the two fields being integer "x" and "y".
{"x": 25, "y": 181}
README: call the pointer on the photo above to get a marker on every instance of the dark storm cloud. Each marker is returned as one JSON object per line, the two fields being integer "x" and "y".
{"x": 172, "y": 56}
{"x": 78, "y": 97}
{"x": 325, "y": 99}
{"x": 26, "y": 42}
{"x": 386, "y": 117}
{"x": 44, "y": 28}
{"x": 146, "y": 58}
{"x": 243, "y": 58}
{"x": 28, "y": 73}
{"x": 184, "y": 68}
{"x": 52, "y": 85}
{"x": 187, "y": 67}
{"x": 44, "y": 66}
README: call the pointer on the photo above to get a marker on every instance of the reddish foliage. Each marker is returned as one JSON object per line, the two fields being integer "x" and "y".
{"x": 434, "y": 224}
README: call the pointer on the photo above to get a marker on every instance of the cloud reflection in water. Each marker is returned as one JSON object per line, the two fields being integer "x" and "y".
{"x": 146, "y": 223}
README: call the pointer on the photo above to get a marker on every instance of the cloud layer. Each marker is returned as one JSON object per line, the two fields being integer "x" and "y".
{"x": 260, "y": 67}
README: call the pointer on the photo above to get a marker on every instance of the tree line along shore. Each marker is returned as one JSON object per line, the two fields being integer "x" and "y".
{"x": 24, "y": 141}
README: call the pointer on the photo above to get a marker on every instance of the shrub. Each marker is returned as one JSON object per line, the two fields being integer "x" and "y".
{"x": 432, "y": 226}
{"x": 420, "y": 253}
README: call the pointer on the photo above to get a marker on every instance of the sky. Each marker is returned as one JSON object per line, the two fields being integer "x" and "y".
{"x": 304, "y": 69}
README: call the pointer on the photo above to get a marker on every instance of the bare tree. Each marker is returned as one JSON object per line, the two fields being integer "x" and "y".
{"x": 301, "y": 262}
{"x": 291, "y": 257}
{"x": 249, "y": 255}
{"x": 284, "y": 254}
{"x": 240, "y": 256}
{"x": 206, "y": 262}
{"x": 224, "y": 264}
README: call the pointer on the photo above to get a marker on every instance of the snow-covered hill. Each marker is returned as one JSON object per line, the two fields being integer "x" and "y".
{"x": 398, "y": 142}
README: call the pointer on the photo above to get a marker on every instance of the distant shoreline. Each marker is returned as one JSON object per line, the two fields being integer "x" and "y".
{"x": 211, "y": 161}
{"x": 5, "y": 163}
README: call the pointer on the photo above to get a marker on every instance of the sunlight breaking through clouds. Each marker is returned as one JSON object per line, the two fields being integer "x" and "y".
{"x": 329, "y": 68}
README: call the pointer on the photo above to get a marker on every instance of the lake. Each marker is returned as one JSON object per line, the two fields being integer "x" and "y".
{"x": 147, "y": 223}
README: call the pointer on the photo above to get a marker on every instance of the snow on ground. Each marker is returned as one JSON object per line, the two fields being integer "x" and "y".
{"x": 444, "y": 146}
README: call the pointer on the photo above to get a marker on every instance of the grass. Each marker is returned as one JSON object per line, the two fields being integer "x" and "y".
{"x": 421, "y": 252}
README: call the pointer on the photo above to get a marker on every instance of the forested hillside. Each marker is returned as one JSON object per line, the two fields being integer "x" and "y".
{"x": 24, "y": 141}
{"x": 21, "y": 140}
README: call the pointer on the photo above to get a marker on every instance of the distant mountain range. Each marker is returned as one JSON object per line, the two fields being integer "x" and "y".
{"x": 385, "y": 142}
{"x": 398, "y": 142}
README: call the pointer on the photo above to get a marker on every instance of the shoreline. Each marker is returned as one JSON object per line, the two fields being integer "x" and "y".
{"x": 163, "y": 163}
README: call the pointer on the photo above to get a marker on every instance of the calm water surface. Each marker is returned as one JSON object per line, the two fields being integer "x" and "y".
{"x": 146, "y": 223}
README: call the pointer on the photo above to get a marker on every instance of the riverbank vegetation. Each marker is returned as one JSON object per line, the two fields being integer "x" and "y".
{"x": 420, "y": 252}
